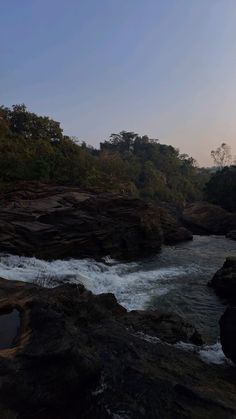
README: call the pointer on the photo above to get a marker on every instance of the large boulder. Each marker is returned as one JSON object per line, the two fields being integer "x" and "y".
{"x": 228, "y": 333}
{"x": 79, "y": 355}
{"x": 224, "y": 280}
{"x": 52, "y": 222}
{"x": 206, "y": 218}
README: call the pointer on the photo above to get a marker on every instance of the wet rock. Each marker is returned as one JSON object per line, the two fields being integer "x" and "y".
{"x": 228, "y": 333}
{"x": 205, "y": 218}
{"x": 80, "y": 355}
{"x": 224, "y": 281}
{"x": 168, "y": 327}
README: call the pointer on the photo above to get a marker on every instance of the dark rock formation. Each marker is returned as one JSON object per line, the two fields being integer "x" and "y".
{"x": 224, "y": 281}
{"x": 205, "y": 218}
{"x": 228, "y": 333}
{"x": 173, "y": 231}
{"x": 77, "y": 355}
{"x": 166, "y": 326}
{"x": 52, "y": 222}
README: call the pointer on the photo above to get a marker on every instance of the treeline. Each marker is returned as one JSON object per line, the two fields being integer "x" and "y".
{"x": 34, "y": 147}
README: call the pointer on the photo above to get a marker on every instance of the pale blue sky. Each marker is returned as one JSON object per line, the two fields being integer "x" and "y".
{"x": 162, "y": 67}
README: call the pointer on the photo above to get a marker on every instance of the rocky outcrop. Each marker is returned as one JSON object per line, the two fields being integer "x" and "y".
{"x": 78, "y": 355}
{"x": 173, "y": 231}
{"x": 52, "y": 222}
{"x": 224, "y": 281}
{"x": 205, "y": 218}
{"x": 228, "y": 333}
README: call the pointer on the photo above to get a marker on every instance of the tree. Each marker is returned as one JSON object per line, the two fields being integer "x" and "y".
{"x": 29, "y": 125}
{"x": 221, "y": 188}
{"x": 222, "y": 155}
{"x": 33, "y": 147}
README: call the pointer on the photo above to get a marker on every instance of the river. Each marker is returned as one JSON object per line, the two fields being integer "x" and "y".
{"x": 174, "y": 280}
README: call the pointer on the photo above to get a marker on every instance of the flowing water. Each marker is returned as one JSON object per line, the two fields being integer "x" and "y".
{"x": 174, "y": 280}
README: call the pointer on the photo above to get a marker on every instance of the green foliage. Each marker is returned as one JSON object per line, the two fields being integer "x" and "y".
{"x": 29, "y": 125}
{"x": 158, "y": 171}
{"x": 33, "y": 147}
{"x": 221, "y": 188}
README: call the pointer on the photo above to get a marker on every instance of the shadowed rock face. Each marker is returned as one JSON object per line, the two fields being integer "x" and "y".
{"x": 79, "y": 355}
{"x": 228, "y": 333}
{"x": 55, "y": 222}
{"x": 205, "y": 218}
{"x": 224, "y": 281}
{"x": 224, "y": 284}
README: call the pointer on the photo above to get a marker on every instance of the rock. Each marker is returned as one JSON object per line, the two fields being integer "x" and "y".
{"x": 173, "y": 231}
{"x": 168, "y": 327}
{"x": 231, "y": 235}
{"x": 224, "y": 281}
{"x": 205, "y": 218}
{"x": 79, "y": 355}
{"x": 228, "y": 333}
{"x": 52, "y": 222}
{"x": 56, "y": 222}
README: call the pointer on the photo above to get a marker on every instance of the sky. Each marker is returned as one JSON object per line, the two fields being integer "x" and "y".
{"x": 165, "y": 68}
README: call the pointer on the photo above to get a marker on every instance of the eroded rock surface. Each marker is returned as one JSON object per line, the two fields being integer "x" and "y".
{"x": 84, "y": 356}
{"x": 55, "y": 222}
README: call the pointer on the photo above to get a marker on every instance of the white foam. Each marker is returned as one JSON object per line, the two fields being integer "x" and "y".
{"x": 211, "y": 354}
{"x": 147, "y": 338}
{"x": 189, "y": 347}
{"x": 130, "y": 282}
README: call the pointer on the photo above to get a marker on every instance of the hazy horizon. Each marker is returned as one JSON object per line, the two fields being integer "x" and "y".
{"x": 163, "y": 68}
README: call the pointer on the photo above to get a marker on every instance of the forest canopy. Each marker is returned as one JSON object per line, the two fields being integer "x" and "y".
{"x": 33, "y": 147}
